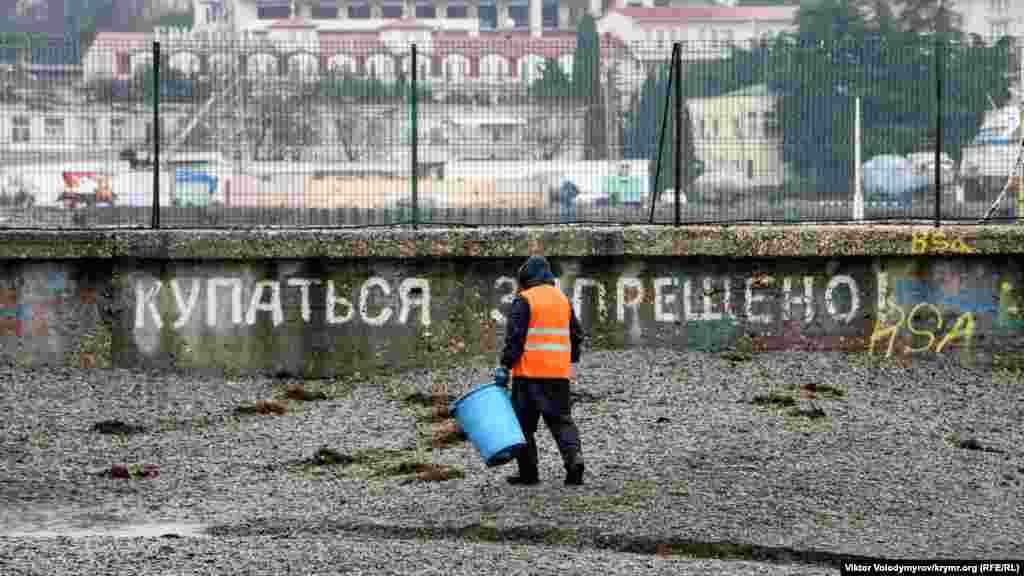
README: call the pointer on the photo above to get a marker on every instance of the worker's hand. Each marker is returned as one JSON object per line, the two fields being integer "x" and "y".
{"x": 572, "y": 372}
{"x": 501, "y": 377}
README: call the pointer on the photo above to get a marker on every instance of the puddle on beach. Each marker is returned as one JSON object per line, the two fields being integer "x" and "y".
{"x": 148, "y": 530}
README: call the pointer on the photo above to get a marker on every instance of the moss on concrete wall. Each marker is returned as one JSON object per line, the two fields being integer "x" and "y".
{"x": 461, "y": 328}
{"x": 732, "y": 241}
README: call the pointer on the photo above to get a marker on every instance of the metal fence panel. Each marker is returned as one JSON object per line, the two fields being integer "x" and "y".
{"x": 503, "y": 132}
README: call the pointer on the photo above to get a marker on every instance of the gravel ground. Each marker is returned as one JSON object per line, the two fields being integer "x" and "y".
{"x": 686, "y": 472}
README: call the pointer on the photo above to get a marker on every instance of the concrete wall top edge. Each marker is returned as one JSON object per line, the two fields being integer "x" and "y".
{"x": 572, "y": 241}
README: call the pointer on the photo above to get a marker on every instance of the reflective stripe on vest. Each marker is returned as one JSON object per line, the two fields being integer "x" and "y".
{"x": 547, "y": 351}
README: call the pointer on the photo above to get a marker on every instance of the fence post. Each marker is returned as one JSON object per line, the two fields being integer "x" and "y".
{"x": 858, "y": 170}
{"x": 677, "y": 63}
{"x": 414, "y": 140}
{"x": 156, "y": 136}
{"x": 938, "y": 132}
{"x": 656, "y": 194}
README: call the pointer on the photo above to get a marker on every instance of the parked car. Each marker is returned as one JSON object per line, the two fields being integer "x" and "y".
{"x": 892, "y": 178}
{"x": 718, "y": 179}
{"x": 924, "y": 164}
{"x": 990, "y": 158}
{"x": 720, "y": 185}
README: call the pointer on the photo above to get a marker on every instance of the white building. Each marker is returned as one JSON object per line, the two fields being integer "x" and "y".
{"x": 459, "y": 42}
{"x": 991, "y": 19}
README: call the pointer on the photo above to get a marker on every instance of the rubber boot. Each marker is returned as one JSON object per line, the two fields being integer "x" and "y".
{"x": 574, "y": 475}
{"x": 520, "y": 480}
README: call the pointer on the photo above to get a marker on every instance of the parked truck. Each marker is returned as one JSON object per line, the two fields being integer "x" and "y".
{"x": 988, "y": 161}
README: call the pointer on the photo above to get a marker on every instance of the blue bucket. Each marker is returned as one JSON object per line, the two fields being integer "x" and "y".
{"x": 488, "y": 419}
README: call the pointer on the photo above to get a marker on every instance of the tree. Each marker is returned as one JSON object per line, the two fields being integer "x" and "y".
{"x": 553, "y": 82}
{"x": 931, "y": 17}
{"x": 844, "y": 50}
{"x": 644, "y": 128}
{"x": 186, "y": 20}
{"x": 586, "y": 82}
{"x": 83, "y": 16}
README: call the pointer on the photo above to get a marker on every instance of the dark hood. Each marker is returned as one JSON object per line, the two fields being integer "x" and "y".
{"x": 535, "y": 271}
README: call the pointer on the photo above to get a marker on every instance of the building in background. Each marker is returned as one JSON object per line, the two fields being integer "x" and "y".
{"x": 991, "y": 19}
{"x": 460, "y": 43}
{"x": 733, "y": 135}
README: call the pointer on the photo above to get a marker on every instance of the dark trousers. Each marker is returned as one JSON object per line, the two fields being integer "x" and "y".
{"x": 535, "y": 398}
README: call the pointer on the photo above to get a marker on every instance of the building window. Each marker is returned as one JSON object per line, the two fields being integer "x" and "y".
{"x": 123, "y": 64}
{"x": 391, "y": 9}
{"x": 53, "y": 129}
{"x": 715, "y": 128}
{"x": 457, "y": 10}
{"x": 488, "y": 12}
{"x": 519, "y": 12}
{"x": 753, "y": 127}
{"x": 549, "y": 14}
{"x": 325, "y": 10}
{"x": 117, "y": 129}
{"x": 281, "y": 11}
{"x": 359, "y": 10}
{"x": 750, "y": 169}
{"x": 21, "y": 129}
{"x": 425, "y": 10}
{"x": 737, "y": 124}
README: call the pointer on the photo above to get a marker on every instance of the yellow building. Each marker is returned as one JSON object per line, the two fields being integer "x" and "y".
{"x": 732, "y": 135}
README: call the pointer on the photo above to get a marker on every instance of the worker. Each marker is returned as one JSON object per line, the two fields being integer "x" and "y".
{"x": 542, "y": 345}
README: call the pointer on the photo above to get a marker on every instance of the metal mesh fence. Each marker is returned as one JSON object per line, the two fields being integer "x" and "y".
{"x": 503, "y": 131}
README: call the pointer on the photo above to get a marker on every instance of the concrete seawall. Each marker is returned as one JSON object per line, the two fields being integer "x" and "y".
{"x": 330, "y": 302}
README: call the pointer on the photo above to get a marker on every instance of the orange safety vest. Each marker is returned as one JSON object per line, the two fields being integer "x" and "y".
{"x": 547, "y": 352}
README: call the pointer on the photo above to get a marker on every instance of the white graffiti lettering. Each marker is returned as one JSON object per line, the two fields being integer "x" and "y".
{"x": 303, "y": 284}
{"x": 184, "y": 308}
{"x": 364, "y": 296}
{"x": 830, "y": 303}
{"x": 506, "y": 299}
{"x": 414, "y": 292}
{"x": 577, "y": 296}
{"x": 332, "y": 306}
{"x": 707, "y": 312}
{"x": 752, "y": 299}
{"x": 380, "y": 302}
{"x": 633, "y": 304}
{"x": 144, "y": 302}
{"x": 266, "y": 296}
{"x": 807, "y": 300}
{"x": 235, "y": 284}
{"x": 256, "y": 304}
{"x": 664, "y": 300}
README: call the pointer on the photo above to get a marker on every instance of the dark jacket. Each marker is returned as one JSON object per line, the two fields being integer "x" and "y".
{"x": 519, "y": 323}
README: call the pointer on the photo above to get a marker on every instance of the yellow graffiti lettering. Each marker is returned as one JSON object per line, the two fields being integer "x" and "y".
{"x": 962, "y": 330}
{"x": 938, "y": 241}
{"x": 959, "y": 246}
{"x": 930, "y": 334}
{"x": 879, "y": 333}
{"x": 919, "y": 243}
{"x": 929, "y": 242}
